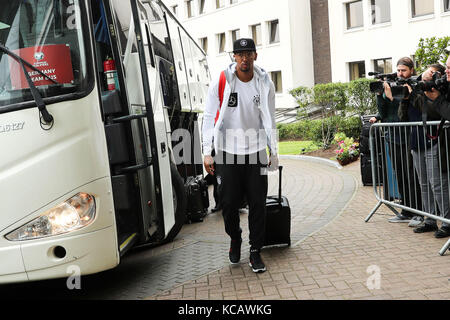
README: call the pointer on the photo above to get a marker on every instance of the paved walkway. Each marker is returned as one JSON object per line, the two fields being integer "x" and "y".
{"x": 335, "y": 254}
{"x": 317, "y": 193}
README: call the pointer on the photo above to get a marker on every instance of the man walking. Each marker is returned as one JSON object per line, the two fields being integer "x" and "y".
{"x": 244, "y": 129}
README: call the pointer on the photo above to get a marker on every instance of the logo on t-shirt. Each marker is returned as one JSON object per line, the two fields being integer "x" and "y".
{"x": 233, "y": 101}
{"x": 257, "y": 100}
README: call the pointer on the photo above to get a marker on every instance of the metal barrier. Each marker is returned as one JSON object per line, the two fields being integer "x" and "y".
{"x": 409, "y": 165}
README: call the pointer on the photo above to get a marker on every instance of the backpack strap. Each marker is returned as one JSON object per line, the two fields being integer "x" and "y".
{"x": 222, "y": 83}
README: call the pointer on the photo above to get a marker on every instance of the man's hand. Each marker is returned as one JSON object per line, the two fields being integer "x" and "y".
{"x": 410, "y": 90}
{"x": 388, "y": 91}
{"x": 273, "y": 163}
{"x": 433, "y": 94}
{"x": 208, "y": 162}
{"x": 373, "y": 120}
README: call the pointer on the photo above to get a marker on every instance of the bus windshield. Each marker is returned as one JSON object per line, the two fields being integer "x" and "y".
{"x": 49, "y": 35}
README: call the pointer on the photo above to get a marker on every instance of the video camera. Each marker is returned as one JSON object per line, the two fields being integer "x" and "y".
{"x": 398, "y": 88}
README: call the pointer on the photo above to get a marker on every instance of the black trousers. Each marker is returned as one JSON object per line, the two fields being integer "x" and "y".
{"x": 239, "y": 177}
{"x": 407, "y": 179}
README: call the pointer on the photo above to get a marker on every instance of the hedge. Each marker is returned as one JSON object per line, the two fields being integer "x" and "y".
{"x": 337, "y": 98}
{"x": 312, "y": 129}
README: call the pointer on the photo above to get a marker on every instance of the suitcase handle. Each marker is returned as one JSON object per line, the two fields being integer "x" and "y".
{"x": 280, "y": 169}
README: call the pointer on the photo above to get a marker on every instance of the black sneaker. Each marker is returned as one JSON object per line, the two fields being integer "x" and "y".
{"x": 426, "y": 228}
{"x": 256, "y": 262}
{"x": 235, "y": 251}
{"x": 443, "y": 232}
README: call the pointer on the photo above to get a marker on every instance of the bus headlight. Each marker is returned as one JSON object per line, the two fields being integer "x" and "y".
{"x": 73, "y": 214}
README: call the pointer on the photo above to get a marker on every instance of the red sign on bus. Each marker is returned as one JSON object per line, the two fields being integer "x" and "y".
{"x": 52, "y": 60}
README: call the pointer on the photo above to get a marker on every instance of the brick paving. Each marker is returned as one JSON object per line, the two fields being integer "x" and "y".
{"x": 334, "y": 256}
{"x": 202, "y": 248}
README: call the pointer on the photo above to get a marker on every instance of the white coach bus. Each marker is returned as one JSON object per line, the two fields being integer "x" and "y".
{"x": 90, "y": 93}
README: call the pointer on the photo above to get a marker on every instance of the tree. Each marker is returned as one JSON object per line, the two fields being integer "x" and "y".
{"x": 304, "y": 98}
{"x": 431, "y": 50}
{"x": 331, "y": 97}
{"x": 361, "y": 100}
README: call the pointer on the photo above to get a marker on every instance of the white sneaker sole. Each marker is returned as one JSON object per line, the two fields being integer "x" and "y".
{"x": 257, "y": 270}
{"x": 234, "y": 263}
{"x": 399, "y": 221}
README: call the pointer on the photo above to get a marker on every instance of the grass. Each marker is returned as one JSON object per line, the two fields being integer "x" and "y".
{"x": 297, "y": 147}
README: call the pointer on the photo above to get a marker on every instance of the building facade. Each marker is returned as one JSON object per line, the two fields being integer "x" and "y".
{"x": 371, "y": 35}
{"x": 282, "y": 31}
{"x": 305, "y": 42}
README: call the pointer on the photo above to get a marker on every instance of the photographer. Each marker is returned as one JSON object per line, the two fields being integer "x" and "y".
{"x": 441, "y": 102}
{"x": 397, "y": 145}
{"x": 426, "y": 155}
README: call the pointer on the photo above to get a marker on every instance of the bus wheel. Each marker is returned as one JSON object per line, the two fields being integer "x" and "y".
{"x": 179, "y": 202}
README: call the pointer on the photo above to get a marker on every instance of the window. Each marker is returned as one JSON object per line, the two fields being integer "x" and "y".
{"x": 277, "y": 81}
{"x": 189, "y": 8}
{"x": 446, "y": 5}
{"x": 24, "y": 29}
{"x": 421, "y": 7}
{"x": 382, "y": 65}
{"x": 274, "y": 36}
{"x": 204, "y": 44}
{"x": 357, "y": 70}
{"x": 235, "y": 34}
{"x": 381, "y": 11}
{"x": 354, "y": 12}
{"x": 256, "y": 34}
{"x": 175, "y": 9}
{"x": 201, "y": 6}
{"x": 220, "y": 4}
{"x": 221, "y": 42}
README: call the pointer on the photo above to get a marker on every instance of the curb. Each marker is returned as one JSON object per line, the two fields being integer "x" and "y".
{"x": 327, "y": 162}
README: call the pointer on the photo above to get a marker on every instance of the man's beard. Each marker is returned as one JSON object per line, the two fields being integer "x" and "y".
{"x": 245, "y": 69}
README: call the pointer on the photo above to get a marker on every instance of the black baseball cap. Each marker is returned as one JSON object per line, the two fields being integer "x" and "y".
{"x": 244, "y": 44}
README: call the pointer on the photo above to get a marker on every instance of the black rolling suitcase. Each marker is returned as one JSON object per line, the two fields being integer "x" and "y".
{"x": 278, "y": 219}
{"x": 364, "y": 149}
{"x": 197, "y": 204}
{"x": 366, "y": 169}
{"x": 364, "y": 138}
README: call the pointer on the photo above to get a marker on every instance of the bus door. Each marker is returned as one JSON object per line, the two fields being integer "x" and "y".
{"x": 158, "y": 129}
{"x": 128, "y": 45}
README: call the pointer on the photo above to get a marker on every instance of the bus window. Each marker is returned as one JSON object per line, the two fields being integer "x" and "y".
{"x": 49, "y": 35}
{"x": 122, "y": 18}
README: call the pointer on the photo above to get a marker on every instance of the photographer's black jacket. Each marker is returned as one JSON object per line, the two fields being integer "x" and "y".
{"x": 442, "y": 106}
{"x": 411, "y": 111}
{"x": 388, "y": 112}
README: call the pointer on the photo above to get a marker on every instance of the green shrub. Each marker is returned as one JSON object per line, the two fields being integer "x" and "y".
{"x": 331, "y": 97}
{"x": 321, "y": 131}
{"x": 304, "y": 97}
{"x": 337, "y": 98}
{"x": 360, "y": 99}
{"x": 431, "y": 50}
{"x": 351, "y": 127}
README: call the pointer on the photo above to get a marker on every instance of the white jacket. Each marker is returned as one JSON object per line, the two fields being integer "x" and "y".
{"x": 267, "y": 109}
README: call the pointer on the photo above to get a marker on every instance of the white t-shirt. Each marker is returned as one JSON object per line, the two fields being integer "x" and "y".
{"x": 244, "y": 131}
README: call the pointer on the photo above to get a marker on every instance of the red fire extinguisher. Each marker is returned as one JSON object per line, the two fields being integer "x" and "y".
{"x": 109, "y": 67}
